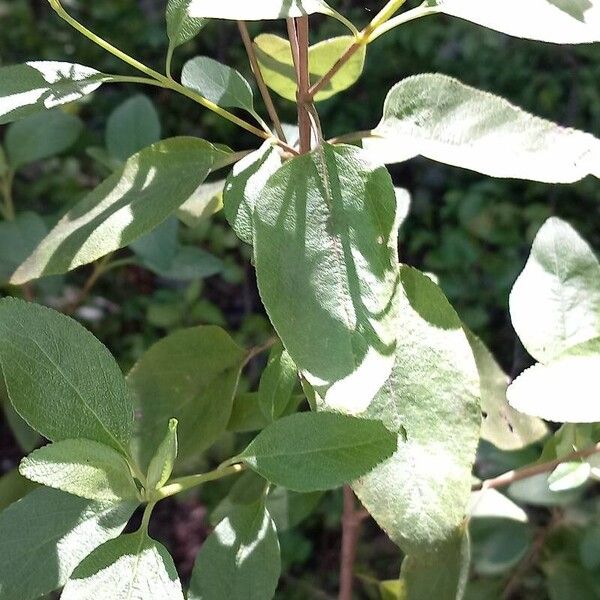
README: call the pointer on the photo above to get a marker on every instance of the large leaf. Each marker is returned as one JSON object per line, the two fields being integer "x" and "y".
{"x": 308, "y": 452}
{"x": 555, "y": 302}
{"x": 441, "y": 118}
{"x": 131, "y": 202}
{"x": 558, "y": 21}
{"x": 274, "y": 56}
{"x": 40, "y": 136}
{"x": 131, "y": 127}
{"x": 240, "y": 559}
{"x": 82, "y": 468}
{"x": 60, "y": 378}
{"x": 191, "y": 375}
{"x": 39, "y": 85}
{"x": 565, "y": 389}
{"x": 420, "y": 495}
{"x": 502, "y": 425}
{"x": 325, "y": 245}
{"x": 181, "y": 27}
{"x": 44, "y": 536}
{"x": 132, "y": 567}
{"x": 244, "y": 186}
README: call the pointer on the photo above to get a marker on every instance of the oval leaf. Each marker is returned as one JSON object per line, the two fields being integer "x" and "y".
{"x": 442, "y": 119}
{"x": 181, "y": 27}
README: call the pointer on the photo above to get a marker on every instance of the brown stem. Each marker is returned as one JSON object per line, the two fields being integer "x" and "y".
{"x": 351, "y": 522}
{"x": 530, "y": 471}
{"x": 97, "y": 272}
{"x": 262, "y": 86}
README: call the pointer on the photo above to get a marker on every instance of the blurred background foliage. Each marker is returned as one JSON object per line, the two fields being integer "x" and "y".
{"x": 472, "y": 232}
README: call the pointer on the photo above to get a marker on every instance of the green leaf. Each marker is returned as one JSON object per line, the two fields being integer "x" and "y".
{"x": 288, "y": 509}
{"x": 240, "y": 559}
{"x": 491, "y": 504}
{"x": 325, "y": 245}
{"x": 568, "y": 476}
{"x": 181, "y": 28}
{"x": 27, "y": 438}
{"x": 207, "y": 201}
{"x": 442, "y": 119}
{"x": 502, "y": 425}
{"x": 190, "y": 375}
{"x": 536, "y": 491}
{"x": 18, "y": 239}
{"x": 82, "y": 468}
{"x": 40, "y": 85}
{"x": 44, "y": 536}
{"x": 40, "y": 136}
{"x": 132, "y": 566}
{"x": 163, "y": 461}
{"x": 557, "y": 21}
{"x": 218, "y": 83}
{"x": 131, "y": 127}
{"x": 247, "y": 414}
{"x": 244, "y": 186}
{"x": 277, "y": 383}
{"x": 564, "y": 390}
{"x": 308, "y": 452}
{"x": 131, "y": 202}
{"x": 60, "y": 378}
{"x": 555, "y": 302}
{"x": 274, "y": 56}
{"x": 419, "y": 496}
{"x": 13, "y": 487}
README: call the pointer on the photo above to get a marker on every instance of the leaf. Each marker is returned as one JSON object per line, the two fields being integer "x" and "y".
{"x": 502, "y": 425}
{"x": 491, "y": 504}
{"x": 132, "y": 566}
{"x": 325, "y": 246}
{"x": 288, "y": 509}
{"x": 181, "y": 28}
{"x": 207, "y": 201}
{"x": 82, "y": 468}
{"x": 308, "y": 452}
{"x": 564, "y": 390}
{"x": 244, "y": 186}
{"x": 247, "y": 414}
{"x": 419, "y": 496}
{"x": 536, "y": 491}
{"x": 265, "y": 10}
{"x": 40, "y": 136}
{"x": 190, "y": 263}
{"x": 240, "y": 559}
{"x": 131, "y": 127}
{"x": 442, "y": 119}
{"x": 218, "y": 83}
{"x": 27, "y": 438}
{"x": 568, "y": 476}
{"x": 274, "y": 56}
{"x": 60, "y": 378}
{"x": 40, "y": 85}
{"x": 131, "y": 202}
{"x": 18, "y": 239}
{"x": 555, "y": 302}
{"x": 192, "y": 376}
{"x": 44, "y": 536}
{"x": 13, "y": 487}
{"x": 163, "y": 461}
{"x": 277, "y": 383}
{"x": 557, "y": 21}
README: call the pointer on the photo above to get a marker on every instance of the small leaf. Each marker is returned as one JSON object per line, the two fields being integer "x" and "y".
{"x": 274, "y": 56}
{"x": 40, "y": 136}
{"x": 158, "y": 248}
{"x": 207, "y": 200}
{"x": 568, "y": 476}
{"x": 60, "y": 378}
{"x": 190, "y": 375}
{"x": 555, "y": 302}
{"x": 308, "y": 452}
{"x": 240, "y": 559}
{"x": 131, "y": 127}
{"x": 277, "y": 383}
{"x": 244, "y": 186}
{"x": 131, "y": 202}
{"x": 181, "y": 28}
{"x": 557, "y": 21}
{"x": 82, "y": 468}
{"x": 44, "y": 536}
{"x": 325, "y": 247}
{"x": 564, "y": 390}
{"x": 13, "y": 487}
{"x": 163, "y": 461}
{"x": 442, "y": 119}
{"x": 132, "y": 566}
{"x": 247, "y": 414}
{"x": 218, "y": 83}
{"x": 491, "y": 504}
{"x": 34, "y": 86}
{"x": 27, "y": 438}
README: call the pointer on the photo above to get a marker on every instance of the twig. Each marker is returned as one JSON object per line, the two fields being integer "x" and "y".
{"x": 97, "y": 272}
{"x": 260, "y": 81}
{"x": 254, "y": 352}
{"x": 304, "y": 99}
{"x": 351, "y": 522}
{"x": 530, "y": 471}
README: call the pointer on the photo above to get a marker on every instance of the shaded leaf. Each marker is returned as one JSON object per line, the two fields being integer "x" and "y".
{"x": 277, "y": 383}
